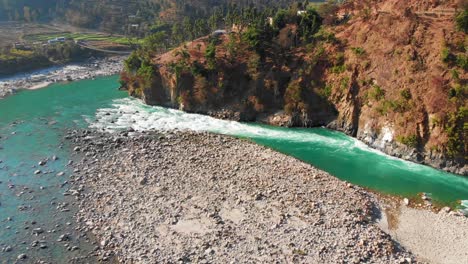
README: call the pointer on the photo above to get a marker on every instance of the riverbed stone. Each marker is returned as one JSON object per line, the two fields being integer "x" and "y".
{"x": 212, "y": 198}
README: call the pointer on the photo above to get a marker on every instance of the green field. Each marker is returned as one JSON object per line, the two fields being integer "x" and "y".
{"x": 83, "y": 36}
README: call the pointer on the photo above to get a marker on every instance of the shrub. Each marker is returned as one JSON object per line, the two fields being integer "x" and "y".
{"x": 210, "y": 55}
{"x": 293, "y": 98}
{"x": 326, "y": 36}
{"x": 309, "y": 24}
{"x": 326, "y": 91}
{"x": 377, "y": 93}
{"x": 461, "y": 21}
{"x": 458, "y": 91}
{"x": 455, "y": 75}
{"x": 146, "y": 72}
{"x": 462, "y": 61}
{"x": 338, "y": 69}
{"x": 446, "y": 56}
{"x": 455, "y": 129}
{"x": 132, "y": 63}
{"x": 252, "y": 37}
{"x": 406, "y": 94}
{"x": 358, "y": 51}
{"x": 344, "y": 83}
{"x": 410, "y": 141}
{"x": 339, "y": 58}
{"x": 281, "y": 18}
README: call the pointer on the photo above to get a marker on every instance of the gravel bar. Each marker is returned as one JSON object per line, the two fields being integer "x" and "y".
{"x": 185, "y": 197}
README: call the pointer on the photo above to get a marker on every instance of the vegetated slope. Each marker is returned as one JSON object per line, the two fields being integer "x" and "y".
{"x": 406, "y": 63}
{"x": 393, "y": 74}
{"x": 119, "y": 15}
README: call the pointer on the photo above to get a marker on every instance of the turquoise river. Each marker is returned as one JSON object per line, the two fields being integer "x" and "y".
{"x": 32, "y": 127}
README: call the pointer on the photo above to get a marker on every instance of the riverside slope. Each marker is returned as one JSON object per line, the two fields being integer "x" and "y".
{"x": 381, "y": 77}
{"x": 204, "y": 198}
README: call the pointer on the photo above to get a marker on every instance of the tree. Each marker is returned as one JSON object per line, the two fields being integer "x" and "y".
{"x": 281, "y": 19}
{"x": 177, "y": 34}
{"x": 309, "y": 24}
{"x": 210, "y": 55}
{"x": 132, "y": 63}
{"x": 155, "y": 42}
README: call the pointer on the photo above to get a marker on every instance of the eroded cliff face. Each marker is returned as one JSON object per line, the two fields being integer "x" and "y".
{"x": 390, "y": 76}
{"x": 238, "y": 83}
{"x": 403, "y": 82}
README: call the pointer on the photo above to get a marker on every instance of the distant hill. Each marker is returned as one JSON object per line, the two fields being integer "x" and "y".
{"x": 118, "y": 15}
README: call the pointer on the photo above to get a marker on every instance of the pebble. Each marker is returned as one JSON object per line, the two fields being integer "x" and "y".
{"x": 201, "y": 200}
{"x": 406, "y": 201}
{"x": 38, "y": 231}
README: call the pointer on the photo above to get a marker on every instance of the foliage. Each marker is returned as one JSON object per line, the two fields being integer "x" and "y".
{"x": 462, "y": 61}
{"x": 461, "y": 21}
{"x": 294, "y": 99}
{"x": 405, "y": 94}
{"x": 358, "y": 51}
{"x": 456, "y": 130}
{"x": 146, "y": 72}
{"x": 309, "y": 24}
{"x": 459, "y": 91}
{"x": 455, "y": 75}
{"x": 326, "y": 91}
{"x": 132, "y": 63}
{"x": 344, "y": 83}
{"x": 446, "y": 55}
{"x": 338, "y": 69}
{"x": 210, "y": 55}
{"x": 252, "y": 37}
{"x": 324, "y": 35}
{"x": 376, "y": 93}
{"x": 281, "y": 18}
{"x": 410, "y": 141}
{"x": 155, "y": 41}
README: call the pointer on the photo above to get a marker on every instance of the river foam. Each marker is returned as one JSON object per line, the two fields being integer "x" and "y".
{"x": 325, "y": 149}
{"x": 132, "y": 113}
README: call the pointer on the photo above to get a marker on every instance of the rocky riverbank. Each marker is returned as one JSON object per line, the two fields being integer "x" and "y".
{"x": 206, "y": 198}
{"x": 78, "y": 71}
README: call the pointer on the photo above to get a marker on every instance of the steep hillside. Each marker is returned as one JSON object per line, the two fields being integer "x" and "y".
{"x": 392, "y": 74}
{"x": 406, "y": 63}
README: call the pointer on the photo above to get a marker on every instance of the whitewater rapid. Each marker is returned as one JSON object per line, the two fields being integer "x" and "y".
{"x": 128, "y": 113}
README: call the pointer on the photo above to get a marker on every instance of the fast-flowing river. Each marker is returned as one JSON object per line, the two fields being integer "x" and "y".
{"x": 32, "y": 125}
